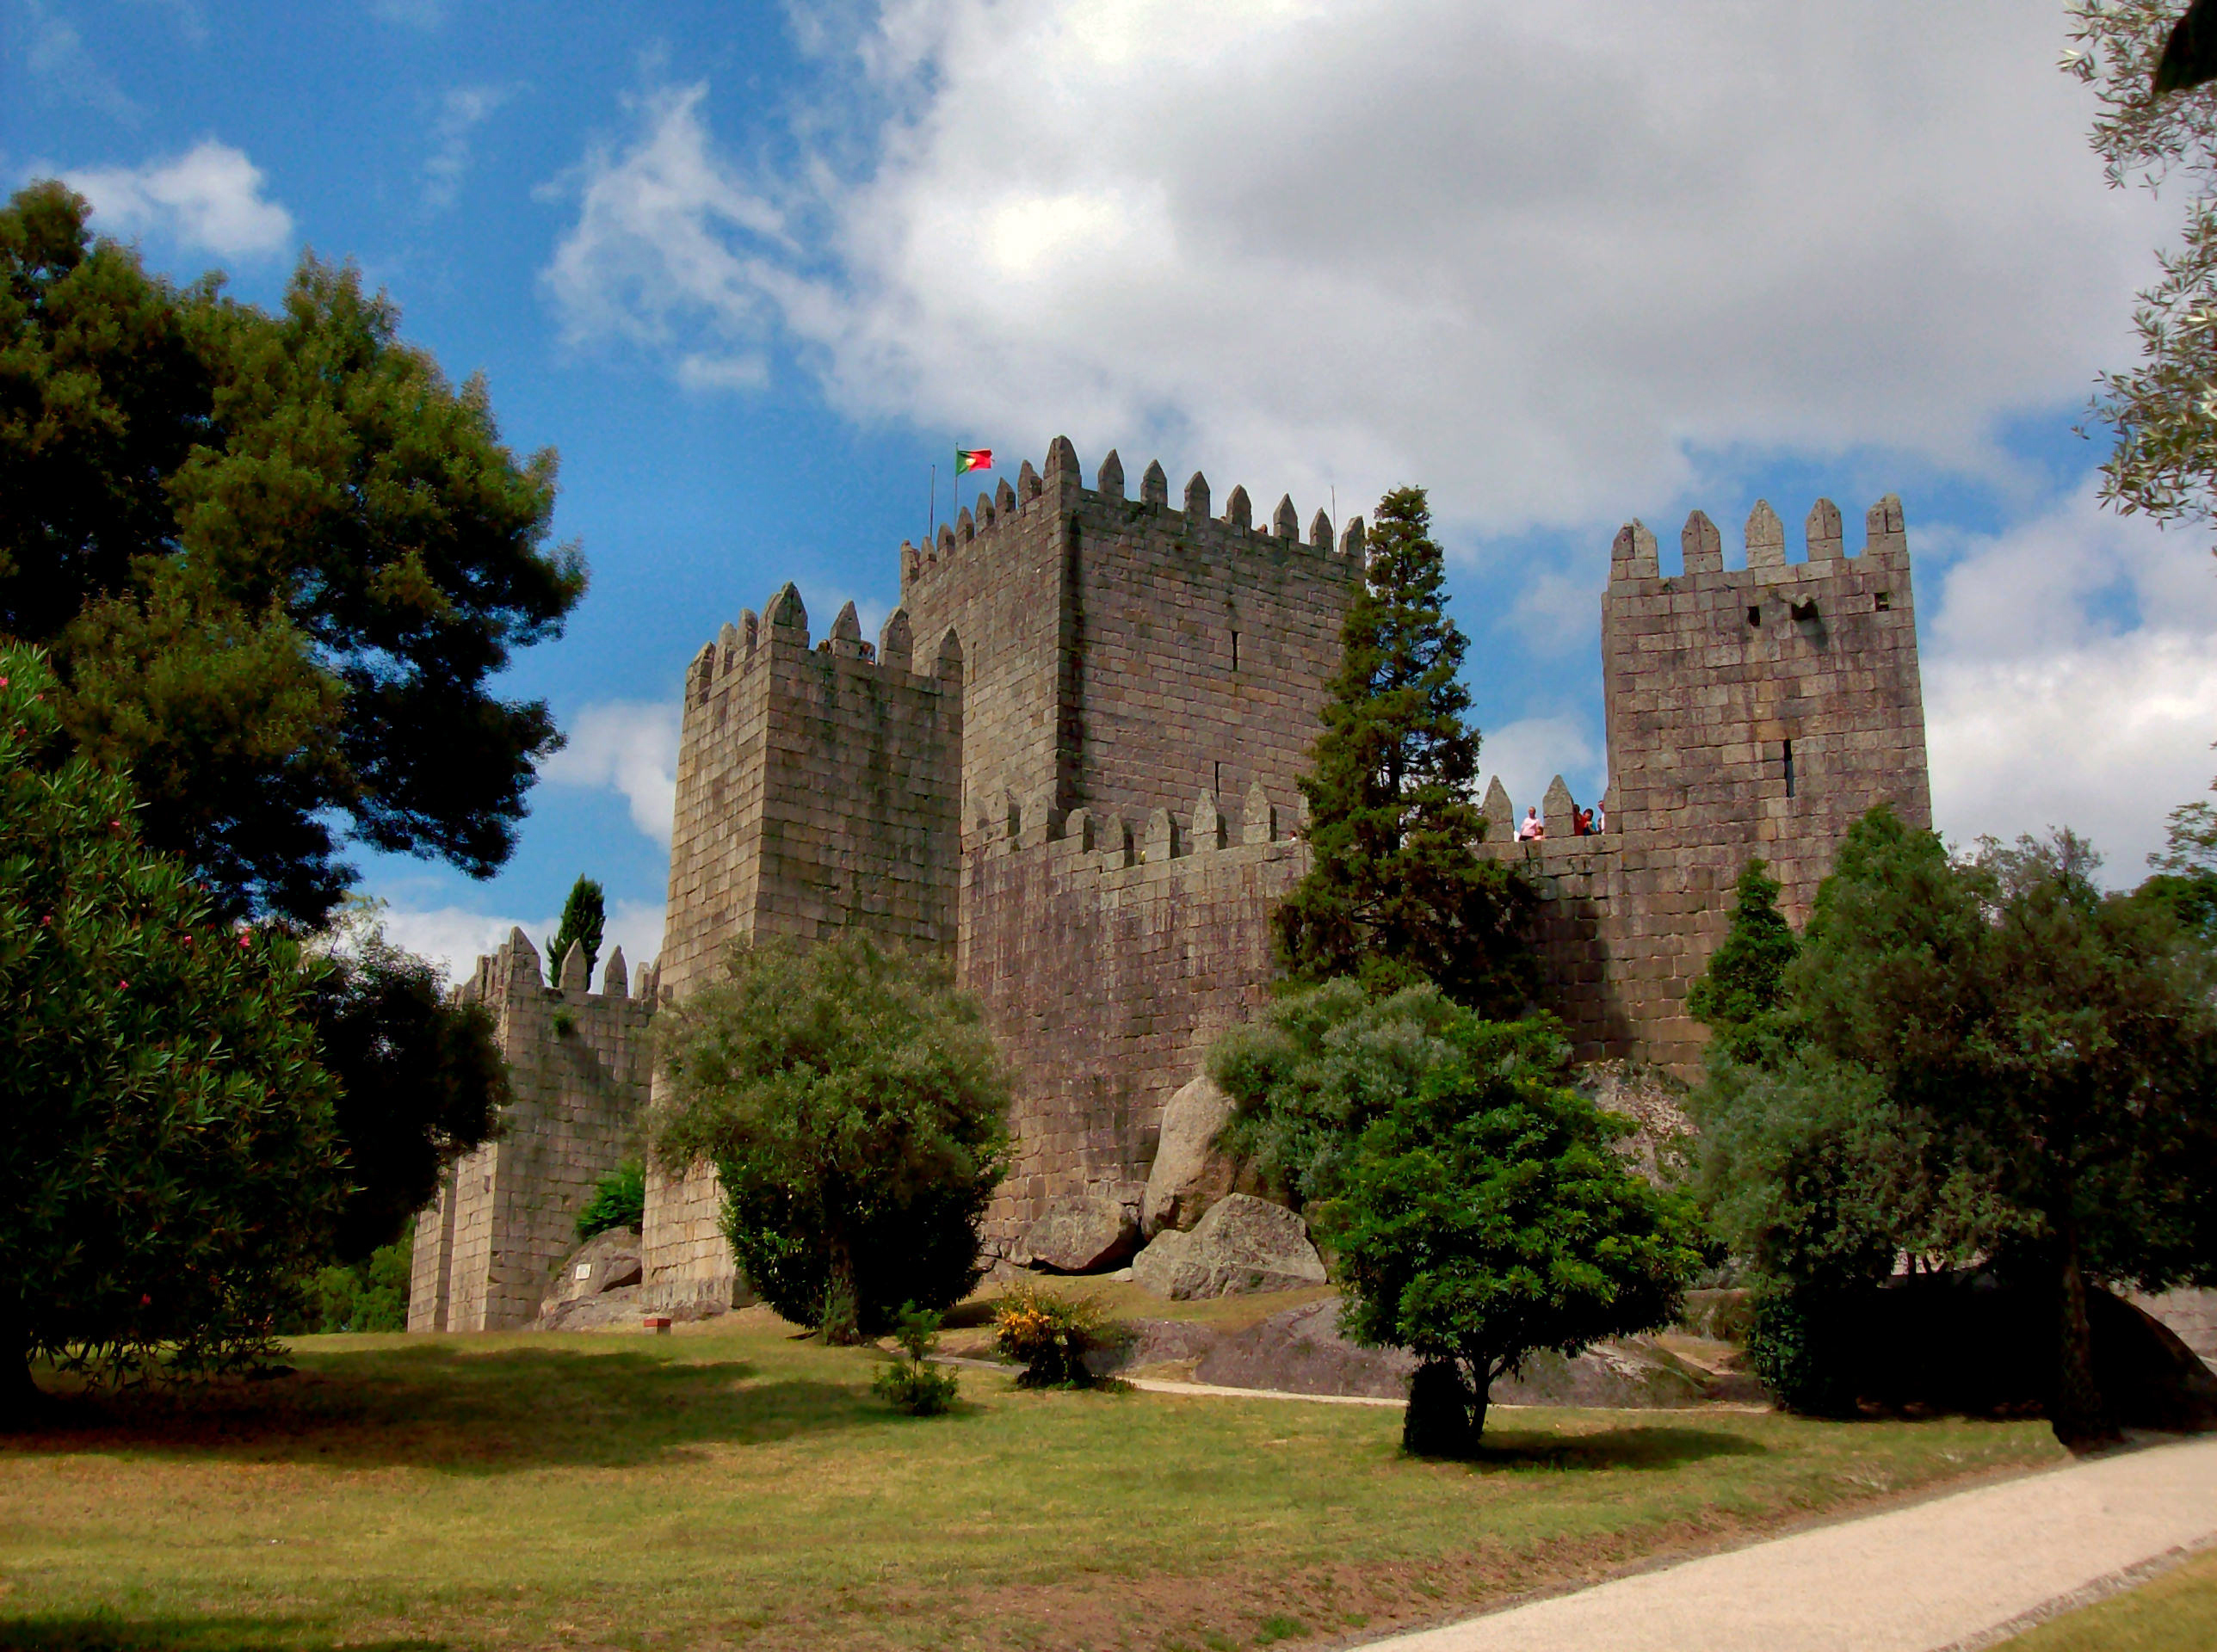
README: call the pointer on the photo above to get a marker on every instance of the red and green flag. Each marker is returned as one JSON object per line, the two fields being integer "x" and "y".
{"x": 968, "y": 459}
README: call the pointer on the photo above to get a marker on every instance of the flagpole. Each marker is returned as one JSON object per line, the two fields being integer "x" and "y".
{"x": 931, "y": 522}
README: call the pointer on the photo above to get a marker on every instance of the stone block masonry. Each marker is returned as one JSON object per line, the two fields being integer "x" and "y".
{"x": 578, "y": 1064}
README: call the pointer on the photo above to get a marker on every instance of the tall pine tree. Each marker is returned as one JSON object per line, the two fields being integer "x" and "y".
{"x": 1397, "y": 895}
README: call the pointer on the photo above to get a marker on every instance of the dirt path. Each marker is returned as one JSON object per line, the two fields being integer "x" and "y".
{"x": 1948, "y": 1575}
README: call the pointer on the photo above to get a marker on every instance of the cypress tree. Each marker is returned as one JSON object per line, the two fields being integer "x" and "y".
{"x": 1736, "y": 994}
{"x": 1396, "y": 894}
{"x": 583, "y": 919}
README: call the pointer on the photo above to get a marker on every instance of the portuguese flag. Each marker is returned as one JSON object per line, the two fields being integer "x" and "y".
{"x": 968, "y": 459}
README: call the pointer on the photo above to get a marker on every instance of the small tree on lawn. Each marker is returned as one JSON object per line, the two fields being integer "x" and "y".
{"x": 167, "y": 1173}
{"x": 1395, "y": 894}
{"x": 1487, "y": 1216}
{"x": 857, "y": 1113}
{"x": 584, "y": 921}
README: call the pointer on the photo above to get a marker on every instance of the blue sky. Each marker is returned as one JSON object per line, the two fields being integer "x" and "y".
{"x": 752, "y": 269}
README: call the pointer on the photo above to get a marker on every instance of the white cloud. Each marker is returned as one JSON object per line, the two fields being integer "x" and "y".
{"x": 2070, "y": 679}
{"x": 461, "y": 111}
{"x": 650, "y": 259}
{"x": 208, "y": 198}
{"x": 1538, "y": 256}
{"x": 627, "y": 746}
{"x": 453, "y": 937}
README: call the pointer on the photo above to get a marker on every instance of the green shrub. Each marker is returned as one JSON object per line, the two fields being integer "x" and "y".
{"x": 371, "y": 1295}
{"x": 856, "y": 1113}
{"x": 1050, "y": 1334}
{"x": 910, "y": 1385}
{"x": 620, "y": 1201}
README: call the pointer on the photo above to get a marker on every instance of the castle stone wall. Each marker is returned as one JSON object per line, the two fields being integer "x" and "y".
{"x": 1106, "y": 961}
{"x": 486, "y": 1248}
{"x": 817, "y": 791}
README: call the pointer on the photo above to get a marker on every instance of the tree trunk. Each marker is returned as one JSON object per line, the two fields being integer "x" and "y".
{"x": 1482, "y": 1391}
{"x": 842, "y": 1310}
{"x": 2081, "y": 1421}
{"x": 1437, "y": 1421}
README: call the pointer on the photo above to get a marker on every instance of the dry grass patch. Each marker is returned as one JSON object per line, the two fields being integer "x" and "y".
{"x": 736, "y": 1487}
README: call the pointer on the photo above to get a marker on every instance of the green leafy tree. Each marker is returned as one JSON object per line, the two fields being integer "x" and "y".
{"x": 421, "y": 1078}
{"x": 1486, "y": 1215}
{"x": 1395, "y": 895}
{"x": 583, "y": 922}
{"x": 168, "y": 1173}
{"x": 2164, "y": 459}
{"x": 1737, "y": 994}
{"x": 856, "y": 1112}
{"x": 2040, "y": 1057}
{"x": 1314, "y": 1071}
{"x": 618, "y": 1200}
{"x": 278, "y": 560}
{"x": 2185, "y": 882}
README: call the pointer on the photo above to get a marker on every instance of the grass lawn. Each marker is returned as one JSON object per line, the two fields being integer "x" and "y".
{"x": 731, "y": 1485}
{"x": 2170, "y": 1613}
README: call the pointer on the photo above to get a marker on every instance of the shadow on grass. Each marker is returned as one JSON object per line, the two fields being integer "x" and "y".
{"x": 1611, "y": 1449}
{"x": 436, "y": 1406}
{"x": 103, "y": 1632}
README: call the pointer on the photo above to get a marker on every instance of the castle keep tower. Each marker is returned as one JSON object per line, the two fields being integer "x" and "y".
{"x": 1752, "y": 712}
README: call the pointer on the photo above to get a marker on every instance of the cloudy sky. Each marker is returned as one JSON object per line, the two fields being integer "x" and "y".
{"x": 752, "y": 269}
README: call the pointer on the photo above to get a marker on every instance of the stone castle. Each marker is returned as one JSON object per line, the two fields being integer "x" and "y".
{"x": 1069, "y": 763}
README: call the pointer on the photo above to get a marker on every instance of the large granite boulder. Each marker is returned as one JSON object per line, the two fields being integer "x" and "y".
{"x": 1242, "y": 1244}
{"x": 1080, "y": 1233}
{"x": 1189, "y": 1174}
{"x": 606, "y": 1261}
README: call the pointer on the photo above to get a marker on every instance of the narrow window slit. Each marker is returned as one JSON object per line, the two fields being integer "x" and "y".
{"x": 1789, "y": 768}
{"x": 1754, "y": 614}
{"x": 1235, "y": 650}
{"x": 1885, "y": 600}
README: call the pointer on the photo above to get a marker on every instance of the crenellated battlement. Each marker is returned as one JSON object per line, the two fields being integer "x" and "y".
{"x": 741, "y": 649}
{"x": 1059, "y": 488}
{"x": 514, "y": 970}
{"x": 1114, "y": 842}
{"x": 1635, "y": 555}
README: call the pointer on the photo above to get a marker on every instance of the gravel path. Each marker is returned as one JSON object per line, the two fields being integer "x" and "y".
{"x": 1961, "y": 1572}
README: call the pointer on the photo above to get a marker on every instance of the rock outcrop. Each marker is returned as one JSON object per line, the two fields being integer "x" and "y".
{"x": 1189, "y": 1174}
{"x": 1303, "y": 1350}
{"x": 1080, "y": 1233}
{"x": 1242, "y": 1244}
{"x": 593, "y": 1280}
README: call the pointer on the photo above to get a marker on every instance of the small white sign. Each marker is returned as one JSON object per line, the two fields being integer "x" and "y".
{"x": 584, "y": 1270}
